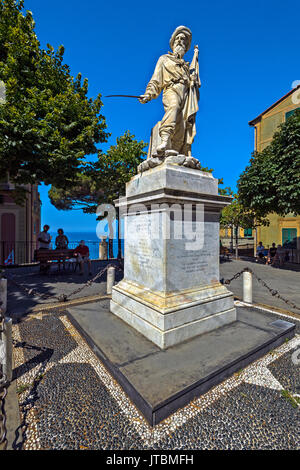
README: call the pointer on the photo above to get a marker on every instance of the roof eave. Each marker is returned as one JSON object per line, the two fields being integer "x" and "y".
{"x": 258, "y": 118}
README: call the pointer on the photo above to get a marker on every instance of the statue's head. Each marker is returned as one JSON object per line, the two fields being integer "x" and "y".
{"x": 181, "y": 39}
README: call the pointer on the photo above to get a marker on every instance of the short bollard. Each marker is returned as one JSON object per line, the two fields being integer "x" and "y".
{"x": 3, "y": 294}
{"x": 7, "y": 343}
{"x": 247, "y": 287}
{"x": 111, "y": 272}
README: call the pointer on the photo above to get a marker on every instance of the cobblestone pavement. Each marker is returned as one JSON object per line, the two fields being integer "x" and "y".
{"x": 68, "y": 400}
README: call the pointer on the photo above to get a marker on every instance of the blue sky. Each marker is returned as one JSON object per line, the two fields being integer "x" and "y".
{"x": 248, "y": 57}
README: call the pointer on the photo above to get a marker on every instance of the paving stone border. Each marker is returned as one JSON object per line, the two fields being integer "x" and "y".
{"x": 68, "y": 400}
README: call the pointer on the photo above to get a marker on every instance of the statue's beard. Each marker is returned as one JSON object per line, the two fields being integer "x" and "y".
{"x": 179, "y": 50}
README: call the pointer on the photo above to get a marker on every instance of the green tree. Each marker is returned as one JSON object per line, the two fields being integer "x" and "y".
{"x": 236, "y": 216}
{"x": 271, "y": 183}
{"x": 48, "y": 124}
{"x": 103, "y": 181}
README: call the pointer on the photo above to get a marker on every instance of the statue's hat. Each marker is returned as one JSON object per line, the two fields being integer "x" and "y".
{"x": 182, "y": 29}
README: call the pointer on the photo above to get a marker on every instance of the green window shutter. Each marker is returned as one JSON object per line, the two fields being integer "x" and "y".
{"x": 288, "y": 234}
{"x": 290, "y": 113}
{"x": 248, "y": 232}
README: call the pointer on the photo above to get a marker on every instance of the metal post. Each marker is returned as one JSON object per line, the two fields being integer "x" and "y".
{"x": 247, "y": 287}
{"x": 111, "y": 272}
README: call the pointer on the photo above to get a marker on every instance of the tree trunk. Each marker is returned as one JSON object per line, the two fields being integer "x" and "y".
{"x": 255, "y": 242}
{"x": 111, "y": 248}
{"x": 236, "y": 242}
{"x": 231, "y": 241}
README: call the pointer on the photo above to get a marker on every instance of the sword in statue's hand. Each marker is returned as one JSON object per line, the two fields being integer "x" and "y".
{"x": 141, "y": 98}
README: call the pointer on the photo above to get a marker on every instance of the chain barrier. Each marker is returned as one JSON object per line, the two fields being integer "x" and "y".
{"x": 3, "y": 431}
{"x": 90, "y": 281}
{"x": 273, "y": 292}
{"x": 236, "y": 276}
{"x": 30, "y": 292}
{"x": 2, "y": 317}
{"x": 3, "y": 393}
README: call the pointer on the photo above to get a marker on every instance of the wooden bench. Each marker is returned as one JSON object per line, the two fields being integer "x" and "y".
{"x": 44, "y": 257}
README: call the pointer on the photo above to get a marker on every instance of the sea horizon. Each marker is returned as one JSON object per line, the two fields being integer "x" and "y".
{"x": 91, "y": 240}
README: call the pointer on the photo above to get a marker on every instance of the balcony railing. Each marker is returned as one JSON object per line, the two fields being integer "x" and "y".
{"x": 21, "y": 252}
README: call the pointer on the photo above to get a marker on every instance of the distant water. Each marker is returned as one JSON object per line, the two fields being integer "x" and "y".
{"x": 91, "y": 240}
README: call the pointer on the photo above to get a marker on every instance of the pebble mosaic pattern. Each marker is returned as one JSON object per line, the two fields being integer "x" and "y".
{"x": 68, "y": 400}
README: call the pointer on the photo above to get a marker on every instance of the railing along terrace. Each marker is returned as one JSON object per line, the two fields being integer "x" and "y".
{"x": 14, "y": 253}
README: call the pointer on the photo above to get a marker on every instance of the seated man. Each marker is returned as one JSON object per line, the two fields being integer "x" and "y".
{"x": 82, "y": 253}
{"x": 260, "y": 250}
{"x": 272, "y": 253}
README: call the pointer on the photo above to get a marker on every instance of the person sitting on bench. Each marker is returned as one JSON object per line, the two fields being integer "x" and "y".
{"x": 82, "y": 253}
{"x": 61, "y": 240}
{"x": 260, "y": 251}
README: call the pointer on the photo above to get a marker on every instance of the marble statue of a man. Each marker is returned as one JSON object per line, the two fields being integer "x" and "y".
{"x": 180, "y": 84}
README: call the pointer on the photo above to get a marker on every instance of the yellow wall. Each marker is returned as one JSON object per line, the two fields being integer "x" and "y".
{"x": 269, "y": 122}
{"x": 226, "y": 232}
{"x": 264, "y": 131}
{"x": 273, "y": 233}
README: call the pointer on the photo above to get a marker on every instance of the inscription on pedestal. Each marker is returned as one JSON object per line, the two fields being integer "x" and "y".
{"x": 143, "y": 253}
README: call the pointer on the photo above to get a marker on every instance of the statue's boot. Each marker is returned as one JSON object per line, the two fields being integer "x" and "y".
{"x": 163, "y": 145}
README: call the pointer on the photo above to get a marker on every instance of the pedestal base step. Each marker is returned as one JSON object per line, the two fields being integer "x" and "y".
{"x": 166, "y": 339}
{"x": 189, "y": 314}
{"x": 160, "y": 382}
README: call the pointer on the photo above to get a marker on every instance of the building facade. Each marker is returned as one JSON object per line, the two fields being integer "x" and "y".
{"x": 282, "y": 230}
{"x": 19, "y": 225}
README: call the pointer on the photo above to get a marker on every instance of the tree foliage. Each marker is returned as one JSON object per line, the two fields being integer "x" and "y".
{"x": 271, "y": 183}
{"x": 104, "y": 180}
{"x": 48, "y": 124}
{"x": 237, "y": 215}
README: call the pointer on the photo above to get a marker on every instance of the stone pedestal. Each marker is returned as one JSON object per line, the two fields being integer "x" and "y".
{"x": 171, "y": 290}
